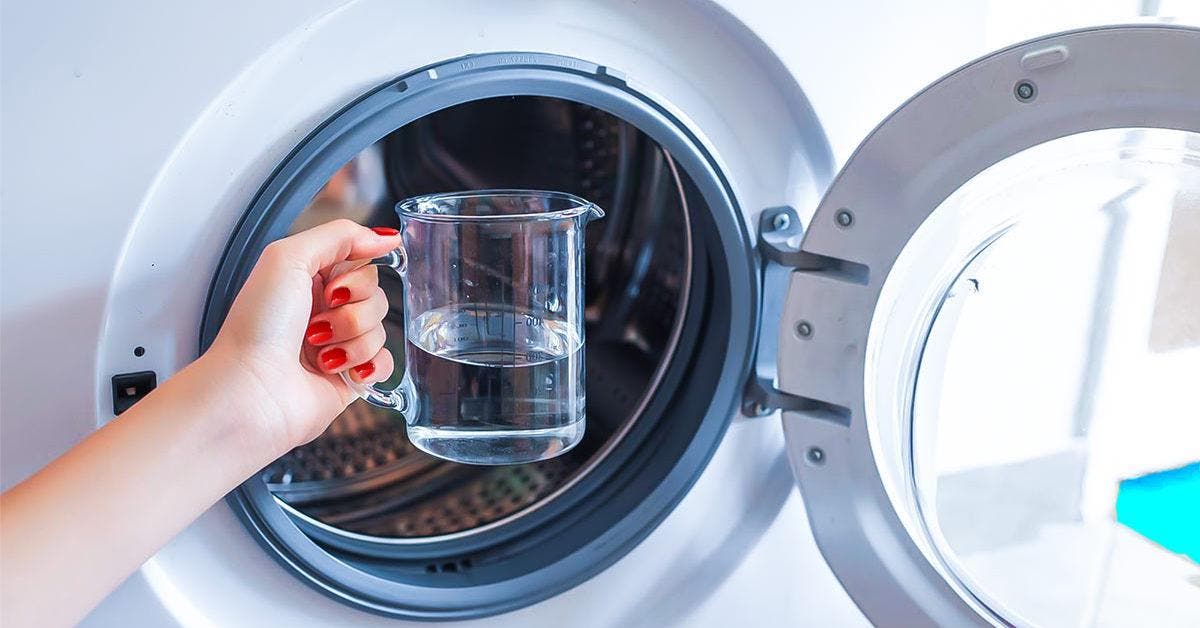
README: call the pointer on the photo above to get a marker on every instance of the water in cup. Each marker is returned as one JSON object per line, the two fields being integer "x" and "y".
{"x": 493, "y": 384}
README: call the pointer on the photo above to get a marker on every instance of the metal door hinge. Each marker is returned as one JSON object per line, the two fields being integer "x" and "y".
{"x": 779, "y": 232}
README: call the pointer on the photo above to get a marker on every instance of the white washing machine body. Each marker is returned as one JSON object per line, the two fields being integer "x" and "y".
{"x": 138, "y": 136}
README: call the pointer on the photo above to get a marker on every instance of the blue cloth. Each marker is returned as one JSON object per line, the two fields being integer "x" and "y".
{"x": 1165, "y": 508}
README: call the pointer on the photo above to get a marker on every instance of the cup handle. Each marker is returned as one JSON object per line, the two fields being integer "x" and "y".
{"x": 398, "y": 398}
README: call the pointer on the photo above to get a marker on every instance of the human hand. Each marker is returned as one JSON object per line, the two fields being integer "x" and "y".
{"x": 292, "y": 330}
{"x": 268, "y": 383}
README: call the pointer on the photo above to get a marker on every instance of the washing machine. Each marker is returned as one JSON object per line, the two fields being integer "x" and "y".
{"x": 944, "y": 378}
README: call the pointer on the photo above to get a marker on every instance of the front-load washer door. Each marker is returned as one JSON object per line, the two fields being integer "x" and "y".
{"x": 991, "y": 349}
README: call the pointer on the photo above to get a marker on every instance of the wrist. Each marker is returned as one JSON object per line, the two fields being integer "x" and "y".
{"x": 242, "y": 415}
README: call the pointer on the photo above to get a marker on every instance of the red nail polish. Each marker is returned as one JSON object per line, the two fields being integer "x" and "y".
{"x": 318, "y": 332}
{"x": 385, "y": 231}
{"x": 364, "y": 370}
{"x": 339, "y": 296}
{"x": 333, "y": 358}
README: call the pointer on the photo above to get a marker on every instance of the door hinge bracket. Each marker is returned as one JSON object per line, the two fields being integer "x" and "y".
{"x": 779, "y": 232}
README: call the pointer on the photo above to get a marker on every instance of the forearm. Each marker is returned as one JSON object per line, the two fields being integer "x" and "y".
{"x": 88, "y": 520}
{"x": 74, "y": 530}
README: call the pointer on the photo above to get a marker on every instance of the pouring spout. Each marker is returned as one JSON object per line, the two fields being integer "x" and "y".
{"x": 594, "y": 213}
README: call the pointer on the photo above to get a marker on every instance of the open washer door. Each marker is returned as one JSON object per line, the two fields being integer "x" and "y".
{"x": 991, "y": 343}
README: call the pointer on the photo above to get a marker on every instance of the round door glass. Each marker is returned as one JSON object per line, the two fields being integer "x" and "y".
{"x": 1056, "y": 396}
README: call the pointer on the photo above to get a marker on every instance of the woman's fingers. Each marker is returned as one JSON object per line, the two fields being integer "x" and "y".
{"x": 343, "y": 355}
{"x": 347, "y": 321}
{"x": 356, "y": 285}
{"x": 374, "y": 370}
{"x": 330, "y": 243}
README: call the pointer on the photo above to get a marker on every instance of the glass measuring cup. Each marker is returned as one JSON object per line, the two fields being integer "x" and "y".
{"x": 493, "y": 295}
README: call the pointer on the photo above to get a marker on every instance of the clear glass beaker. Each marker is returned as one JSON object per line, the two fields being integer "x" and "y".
{"x": 493, "y": 300}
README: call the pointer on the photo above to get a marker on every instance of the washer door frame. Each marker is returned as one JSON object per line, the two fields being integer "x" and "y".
{"x": 850, "y": 453}
{"x": 573, "y": 541}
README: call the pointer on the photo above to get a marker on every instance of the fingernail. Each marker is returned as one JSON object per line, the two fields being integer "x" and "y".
{"x": 385, "y": 231}
{"x": 318, "y": 332}
{"x": 339, "y": 296}
{"x": 364, "y": 370}
{"x": 333, "y": 358}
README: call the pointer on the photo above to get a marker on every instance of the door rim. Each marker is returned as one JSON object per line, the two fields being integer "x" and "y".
{"x": 855, "y": 474}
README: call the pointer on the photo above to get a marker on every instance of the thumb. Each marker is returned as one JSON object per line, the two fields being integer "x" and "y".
{"x": 335, "y": 241}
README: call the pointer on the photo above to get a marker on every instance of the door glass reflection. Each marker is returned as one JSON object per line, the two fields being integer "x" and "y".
{"x": 1056, "y": 407}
